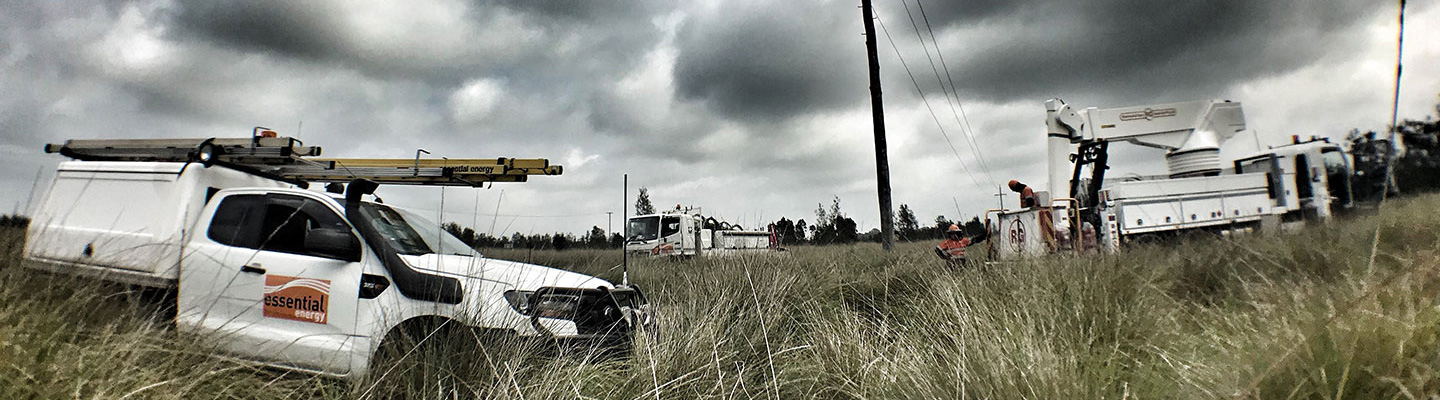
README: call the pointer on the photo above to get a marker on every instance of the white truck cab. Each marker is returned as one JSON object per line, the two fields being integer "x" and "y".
{"x": 685, "y": 232}
{"x": 301, "y": 279}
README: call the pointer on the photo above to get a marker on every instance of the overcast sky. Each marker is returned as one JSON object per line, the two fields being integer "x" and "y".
{"x": 753, "y": 110}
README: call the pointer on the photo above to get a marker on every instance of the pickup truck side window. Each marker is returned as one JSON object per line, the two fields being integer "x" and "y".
{"x": 275, "y": 222}
{"x": 237, "y": 221}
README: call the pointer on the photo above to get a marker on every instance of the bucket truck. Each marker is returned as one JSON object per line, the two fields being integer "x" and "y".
{"x": 1279, "y": 186}
{"x": 685, "y": 232}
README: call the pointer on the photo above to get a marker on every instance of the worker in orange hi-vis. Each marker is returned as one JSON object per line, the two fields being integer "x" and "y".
{"x": 952, "y": 250}
{"x": 1027, "y": 195}
{"x": 1029, "y": 200}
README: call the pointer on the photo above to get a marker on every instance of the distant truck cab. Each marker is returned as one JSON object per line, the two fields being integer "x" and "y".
{"x": 687, "y": 232}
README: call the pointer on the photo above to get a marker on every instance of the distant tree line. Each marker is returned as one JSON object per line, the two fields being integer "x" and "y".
{"x": 595, "y": 239}
{"x": 1415, "y": 169}
{"x": 14, "y": 221}
{"x": 833, "y": 227}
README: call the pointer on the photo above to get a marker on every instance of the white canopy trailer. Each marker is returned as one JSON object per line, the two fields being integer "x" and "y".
{"x": 1291, "y": 183}
{"x": 296, "y": 278}
{"x": 687, "y": 232}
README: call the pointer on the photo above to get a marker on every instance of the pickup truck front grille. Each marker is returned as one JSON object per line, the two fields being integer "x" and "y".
{"x": 598, "y": 311}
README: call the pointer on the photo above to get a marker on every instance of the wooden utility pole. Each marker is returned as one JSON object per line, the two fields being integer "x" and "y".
{"x": 882, "y": 162}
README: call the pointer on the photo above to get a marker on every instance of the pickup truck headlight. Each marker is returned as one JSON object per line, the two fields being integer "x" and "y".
{"x": 519, "y": 300}
{"x": 548, "y": 305}
{"x": 556, "y": 305}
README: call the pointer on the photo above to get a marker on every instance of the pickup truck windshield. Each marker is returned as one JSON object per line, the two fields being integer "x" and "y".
{"x": 644, "y": 228}
{"x": 411, "y": 234}
{"x": 438, "y": 239}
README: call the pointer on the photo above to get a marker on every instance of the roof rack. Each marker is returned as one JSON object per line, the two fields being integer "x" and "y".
{"x": 288, "y": 159}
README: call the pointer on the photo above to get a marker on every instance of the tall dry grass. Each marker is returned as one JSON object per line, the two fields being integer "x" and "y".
{"x": 1298, "y": 315}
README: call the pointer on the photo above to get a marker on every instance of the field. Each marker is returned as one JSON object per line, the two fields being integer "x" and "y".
{"x": 1300, "y": 315}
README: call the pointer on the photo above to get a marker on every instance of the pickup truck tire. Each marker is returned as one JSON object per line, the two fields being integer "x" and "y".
{"x": 158, "y": 303}
{"x": 424, "y": 354}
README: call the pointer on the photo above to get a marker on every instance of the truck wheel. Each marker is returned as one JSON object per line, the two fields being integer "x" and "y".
{"x": 156, "y": 304}
{"x": 424, "y": 356}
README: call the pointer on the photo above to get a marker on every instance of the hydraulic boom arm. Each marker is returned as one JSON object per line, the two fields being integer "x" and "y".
{"x": 1190, "y": 131}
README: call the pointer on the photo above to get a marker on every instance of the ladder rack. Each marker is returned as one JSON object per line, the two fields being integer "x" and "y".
{"x": 286, "y": 159}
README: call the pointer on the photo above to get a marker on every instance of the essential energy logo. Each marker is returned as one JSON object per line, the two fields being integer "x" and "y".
{"x": 296, "y": 298}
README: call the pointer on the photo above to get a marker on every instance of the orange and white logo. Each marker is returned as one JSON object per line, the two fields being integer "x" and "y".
{"x": 296, "y": 298}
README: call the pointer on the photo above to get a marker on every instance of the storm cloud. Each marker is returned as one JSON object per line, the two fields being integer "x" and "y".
{"x": 760, "y": 61}
{"x": 750, "y": 109}
{"x": 1118, "y": 49}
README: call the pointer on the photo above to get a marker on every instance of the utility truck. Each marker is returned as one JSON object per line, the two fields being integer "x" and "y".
{"x": 1281, "y": 186}
{"x": 296, "y": 278}
{"x": 686, "y": 232}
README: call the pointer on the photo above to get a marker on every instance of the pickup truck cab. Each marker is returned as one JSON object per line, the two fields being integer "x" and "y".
{"x": 301, "y": 279}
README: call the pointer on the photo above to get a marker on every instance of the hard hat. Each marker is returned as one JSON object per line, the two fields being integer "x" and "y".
{"x": 954, "y": 228}
{"x": 1014, "y": 184}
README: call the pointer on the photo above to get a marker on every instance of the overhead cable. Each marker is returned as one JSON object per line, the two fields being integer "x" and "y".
{"x": 966, "y": 168}
{"x": 962, "y": 119}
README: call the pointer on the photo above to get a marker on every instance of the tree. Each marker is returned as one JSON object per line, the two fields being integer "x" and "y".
{"x": 560, "y": 241}
{"x": 1416, "y": 169}
{"x": 823, "y": 232}
{"x": 1417, "y": 164}
{"x": 642, "y": 203}
{"x": 596, "y": 239}
{"x": 833, "y": 226}
{"x": 785, "y": 231}
{"x": 873, "y": 236}
{"x": 974, "y": 227}
{"x": 906, "y": 224}
{"x": 845, "y": 230}
{"x": 800, "y": 231}
{"x": 941, "y": 225}
{"x": 1370, "y": 155}
{"x": 14, "y": 221}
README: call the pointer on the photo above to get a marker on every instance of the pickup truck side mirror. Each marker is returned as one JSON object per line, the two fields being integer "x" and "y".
{"x": 333, "y": 243}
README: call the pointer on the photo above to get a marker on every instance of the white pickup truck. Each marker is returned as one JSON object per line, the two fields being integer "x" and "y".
{"x": 302, "y": 279}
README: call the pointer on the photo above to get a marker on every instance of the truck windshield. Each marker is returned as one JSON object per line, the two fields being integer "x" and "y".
{"x": 437, "y": 238}
{"x": 411, "y": 234}
{"x": 644, "y": 228}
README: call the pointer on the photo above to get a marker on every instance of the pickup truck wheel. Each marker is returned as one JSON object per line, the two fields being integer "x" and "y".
{"x": 423, "y": 356}
{"x": 156, "y": 304}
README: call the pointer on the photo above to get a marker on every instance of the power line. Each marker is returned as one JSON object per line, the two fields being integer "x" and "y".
{"x": 963, "y": 119}
{"x": 927, "y": 104}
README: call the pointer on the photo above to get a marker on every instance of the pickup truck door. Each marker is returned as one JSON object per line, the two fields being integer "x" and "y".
{"x": 256, "y": 279}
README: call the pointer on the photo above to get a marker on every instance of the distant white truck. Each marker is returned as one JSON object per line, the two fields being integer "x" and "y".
{"x": 296, "y": 278}
{"x": 1282, "y": 186}
{"x": 687, "y": 232}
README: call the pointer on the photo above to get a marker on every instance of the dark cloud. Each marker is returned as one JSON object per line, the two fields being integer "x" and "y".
{"x": 297, "y": 29}
{"x": 783, "y": 59}
{"x": 579, "y": 10}
{"x": 547, "y": 40}
{"x": 1004, "y": 51}
{"x": 941, "y": 13}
